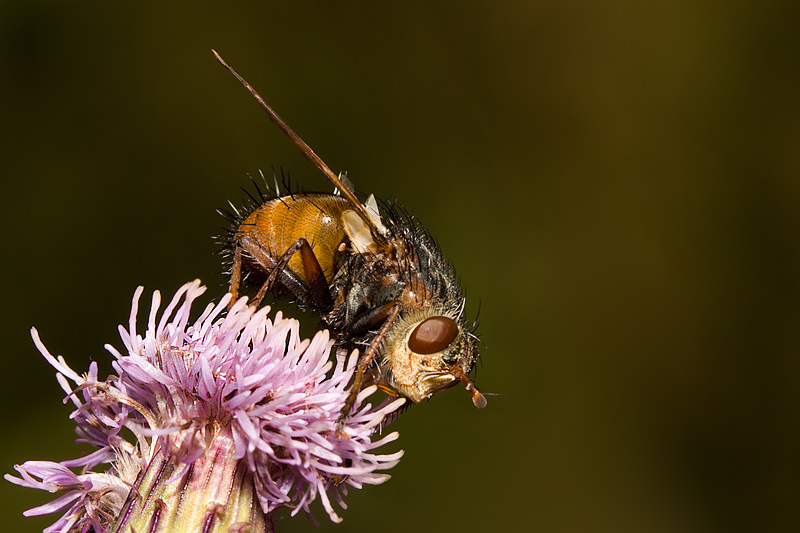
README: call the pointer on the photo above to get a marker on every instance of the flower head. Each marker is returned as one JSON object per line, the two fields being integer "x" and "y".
{"x": 237, "y": 395}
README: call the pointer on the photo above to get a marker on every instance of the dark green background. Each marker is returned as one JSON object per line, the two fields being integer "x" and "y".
{"x": 618, "y": 181}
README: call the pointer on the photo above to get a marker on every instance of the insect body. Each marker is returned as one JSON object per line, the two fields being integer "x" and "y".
{"x": 274, "y": 226}
{"x": 375, "y": 277}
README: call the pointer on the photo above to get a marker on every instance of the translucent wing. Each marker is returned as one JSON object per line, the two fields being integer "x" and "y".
{"x": 365, "y": 212}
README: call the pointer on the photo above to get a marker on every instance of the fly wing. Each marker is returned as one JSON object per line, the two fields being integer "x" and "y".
{"x": 345, "y": 189}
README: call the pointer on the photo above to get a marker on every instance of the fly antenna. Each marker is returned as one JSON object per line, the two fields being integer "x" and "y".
{"x": 478, "y": 399}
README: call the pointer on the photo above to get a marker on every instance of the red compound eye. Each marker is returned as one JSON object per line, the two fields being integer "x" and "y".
{"x": 433, "y": 335}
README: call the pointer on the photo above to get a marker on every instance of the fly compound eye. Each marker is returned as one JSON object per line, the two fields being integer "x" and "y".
{"x": 433, "y": 335}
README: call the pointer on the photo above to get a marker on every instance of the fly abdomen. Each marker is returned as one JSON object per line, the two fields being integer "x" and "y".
{"x": 278, "y": 223}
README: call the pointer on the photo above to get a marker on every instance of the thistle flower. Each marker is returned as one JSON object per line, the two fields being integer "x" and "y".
{"x": 232, "y": 418}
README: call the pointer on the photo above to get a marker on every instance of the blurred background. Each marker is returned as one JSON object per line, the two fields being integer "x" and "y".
{"x": 617, "y": 182}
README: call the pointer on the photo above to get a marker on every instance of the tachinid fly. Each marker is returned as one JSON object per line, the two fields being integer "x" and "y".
{"x": 375, "y": 277}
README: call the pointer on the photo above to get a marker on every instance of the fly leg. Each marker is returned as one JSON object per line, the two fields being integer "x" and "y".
{"x": 314, "y": 290}
{"x": 236, "y": 276}
{"x": 363, "y": 363}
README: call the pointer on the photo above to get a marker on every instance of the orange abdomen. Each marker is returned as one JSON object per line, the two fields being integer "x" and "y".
{"x": 278, "y": 223}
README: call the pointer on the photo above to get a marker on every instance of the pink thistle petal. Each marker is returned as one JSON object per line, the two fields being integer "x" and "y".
{"x": 276, "y": 395}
